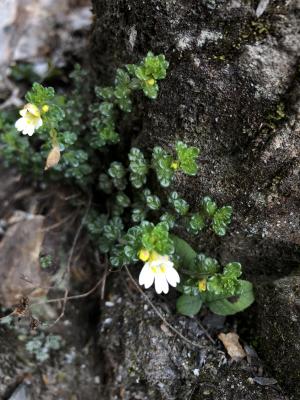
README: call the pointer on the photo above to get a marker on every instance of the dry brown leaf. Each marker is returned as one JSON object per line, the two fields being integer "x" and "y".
{"x": 19, "y": 256}
{"x": 232, "y": 345}
{"x": 53, "y": 157}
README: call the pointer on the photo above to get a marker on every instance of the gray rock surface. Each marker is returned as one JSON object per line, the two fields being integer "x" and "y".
{"x": 233, "y": 90}
{"x": 144, "y": 359}
{"x": 228, "y": 73}
{"x": 278, "y": 324}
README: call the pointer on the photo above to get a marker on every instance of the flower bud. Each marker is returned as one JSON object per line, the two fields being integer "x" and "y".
{"x": 45, "y": 108}
{"x": 144, "y": 255}
{"x": 202, "y": 285}
{"x": 53, "y": 157}
{"x": 151, "y": 82}
{"x": 175, "y": 165}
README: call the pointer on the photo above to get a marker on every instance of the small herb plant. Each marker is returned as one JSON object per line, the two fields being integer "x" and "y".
{"x": 140, "y": 223}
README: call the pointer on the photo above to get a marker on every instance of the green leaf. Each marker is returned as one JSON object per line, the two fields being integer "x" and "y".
{"x": 155, "y": 66}
{"x": 40, "y": 95}
{"x": 109, "y": 135}
{"x": 106, "y": 109}
{"x": 112, "y": 231}
{"x": 121, "y": 255}
{"x": 122, "y": 200}
{"x": 227, "y": 283}
{"x": 221, "y": 220}
{"x": 125, "y": 104}
{"x": 180, "y": 205}
{"x": 221, "y": 306}
{"x": 156, "y": 238}
{"x": 169, "y": 219}
{"x": 116, "y": 170}
{"x": 150, "y": 91}
{"x": 189, "y": 286}
{"x": 206, "y": 265}
{"x": 233, "y": 270}
{"x": 209, "y": 206}
{"x": 105, "y": 183}
{"x": 153, "y": 202}
{"x": 188, "y": 305}
{"x": 122, "y": 78}
{"x": 196, "y": 223}
{"x": 105, "y": 93}
{"x": 138, "y": 215}
{"x": 185, "y": 252}
{"x": 46, "y": 261}
{"x": 138, "y": 168}
{"x": 187, "y": 157}
{"x": 162, "y": 162}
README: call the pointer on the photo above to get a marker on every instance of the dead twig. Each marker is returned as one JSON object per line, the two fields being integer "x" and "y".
{"x": 74, "y": 297}
{"x": 205, "y": 331}
{"x": 59, "y": 223}
{"x": 68, "y": 266}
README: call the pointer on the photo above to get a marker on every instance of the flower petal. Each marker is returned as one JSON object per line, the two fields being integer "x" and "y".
{"x": 161, "y": 284}
{"x": 39, "y": 123}
{"x": 146, "y": 276}
{"x": 20, "y": 124}
{"x": 172, "y": 276}
{"x": 28, "y": 130}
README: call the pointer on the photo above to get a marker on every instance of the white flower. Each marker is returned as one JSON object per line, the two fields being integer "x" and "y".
{"x": 160, "y": 270}
{"x": 30, "y": 121}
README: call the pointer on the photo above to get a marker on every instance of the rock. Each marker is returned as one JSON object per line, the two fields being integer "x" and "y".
{"x": 146, "y": 360}
{"x": 36, "y": 31}
{"x": 277, "y": 326}
{"x": 11, "y": 366}
{"x": 20, "y": 393}
{"x": 19, "y": 257}
{"x": 228, "y": 73}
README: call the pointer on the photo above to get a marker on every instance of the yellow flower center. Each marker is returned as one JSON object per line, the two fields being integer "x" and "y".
{"x": 202, "y": 285}
{"x": 144, "y": 255}
{"x": 150, "y": 82}
{"x": 163, "y": 268}
{"x": 153, "y": 269}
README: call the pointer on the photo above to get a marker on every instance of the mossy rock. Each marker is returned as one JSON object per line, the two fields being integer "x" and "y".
{"x": 278, "y": 330}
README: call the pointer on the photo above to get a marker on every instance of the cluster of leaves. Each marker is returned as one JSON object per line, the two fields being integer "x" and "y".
{"x": 133, "y": 77}
{"x": 62, "y": 124}
{"x": 125, "y": 187}
{"x": 165, "y": 165}
{"x": 220, "y": 217}
{"x": 205, "y": 282}
{"x": 41, "y": 345}
{"x": 132, "y": 216}
{"x": 79, "y": 130}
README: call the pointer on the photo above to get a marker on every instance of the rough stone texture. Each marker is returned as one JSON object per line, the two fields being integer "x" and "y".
{"x": 228, "y": 73}
{"x": 279, "y": 325}
{"x": 10, "y": 364}
{"x": 145, "y": 360}
{"x": 222, "y": 107}
{"x": 71, "y": 373}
